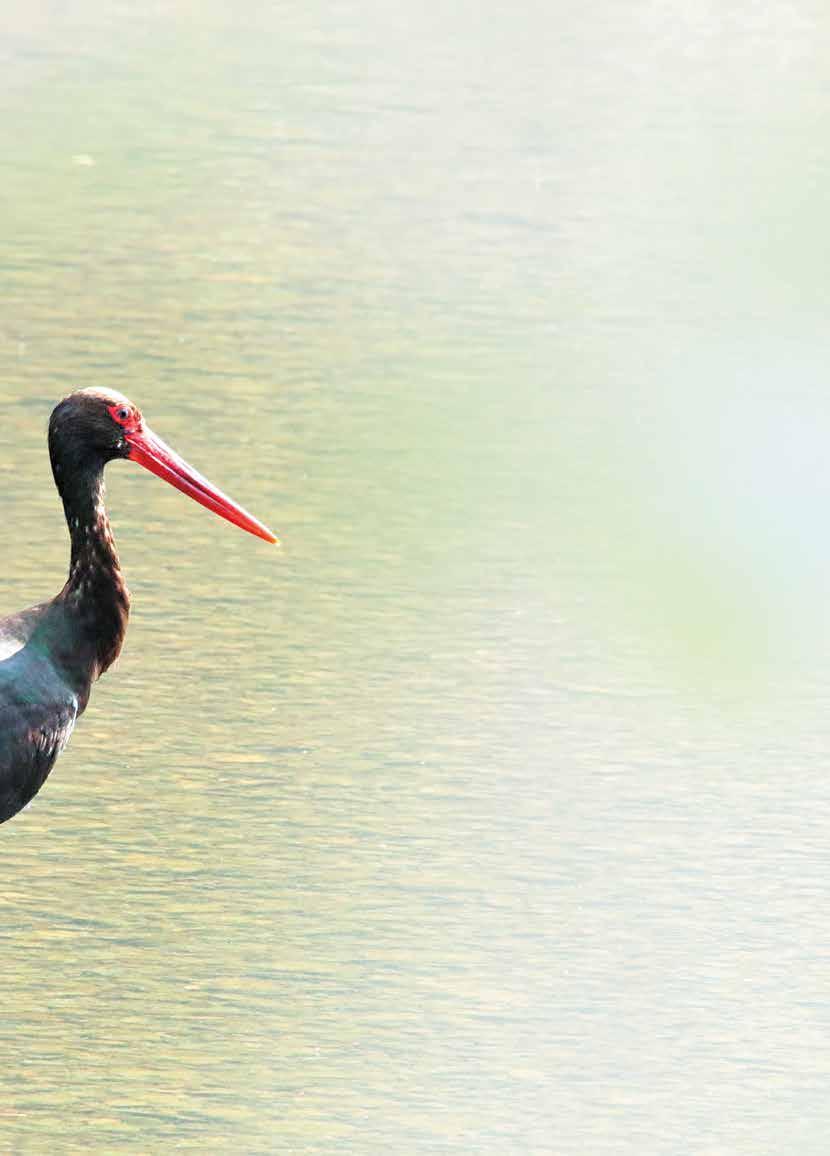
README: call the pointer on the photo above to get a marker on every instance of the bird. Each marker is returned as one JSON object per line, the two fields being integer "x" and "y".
{"x": 52, "y": 653}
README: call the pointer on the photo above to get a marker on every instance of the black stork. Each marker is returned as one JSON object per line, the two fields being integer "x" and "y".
{"x": 51, "y": 654}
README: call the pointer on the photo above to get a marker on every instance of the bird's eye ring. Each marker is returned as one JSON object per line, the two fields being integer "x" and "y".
{"x": 122, "y": 414}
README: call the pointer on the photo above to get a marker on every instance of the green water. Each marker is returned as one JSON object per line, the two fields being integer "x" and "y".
{"x": 490, "y": 812}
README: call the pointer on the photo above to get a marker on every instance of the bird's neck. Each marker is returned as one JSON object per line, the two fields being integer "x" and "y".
{"x": 95, "y": 592}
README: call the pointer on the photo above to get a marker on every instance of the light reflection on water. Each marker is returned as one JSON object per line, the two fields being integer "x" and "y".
{"x": 488, "y": 813}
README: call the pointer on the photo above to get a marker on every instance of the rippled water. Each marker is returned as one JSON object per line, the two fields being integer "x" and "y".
{"x": 490, "y": 812}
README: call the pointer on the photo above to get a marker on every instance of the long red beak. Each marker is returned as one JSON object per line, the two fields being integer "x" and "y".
{"x": 152, "y": 453}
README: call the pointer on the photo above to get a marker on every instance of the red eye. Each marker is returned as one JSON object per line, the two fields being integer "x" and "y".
{"x": 122, "y": 413}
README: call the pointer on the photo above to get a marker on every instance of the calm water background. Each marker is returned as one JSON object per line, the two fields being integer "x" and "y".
{"x": 492, "y": 812}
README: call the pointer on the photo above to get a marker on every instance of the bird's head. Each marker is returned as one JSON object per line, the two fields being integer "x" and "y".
{"x": 92, "y": 426}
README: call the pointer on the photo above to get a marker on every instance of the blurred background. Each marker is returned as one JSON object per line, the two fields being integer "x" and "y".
{"x": 489, "y": 813}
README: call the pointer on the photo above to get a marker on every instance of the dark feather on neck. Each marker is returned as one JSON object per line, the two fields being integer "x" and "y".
{"x": 95, "y": 592}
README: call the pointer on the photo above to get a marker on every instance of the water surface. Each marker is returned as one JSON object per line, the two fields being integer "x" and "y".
{"x": 490, "y": 813}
